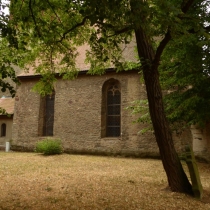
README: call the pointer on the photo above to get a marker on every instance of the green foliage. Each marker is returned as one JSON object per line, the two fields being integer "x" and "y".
{"x": 3, "y": 111}
{"x": 49, "y": 147}
{"x": 45, "y": 85}
{"x": 43, "y": 32}
{"x": 140, "y": 109}
{"x": 8, "y": 51}
{"x": 48, "y": 33}
{"x": 184, "y": 70}
{"x": 184, "y": 74}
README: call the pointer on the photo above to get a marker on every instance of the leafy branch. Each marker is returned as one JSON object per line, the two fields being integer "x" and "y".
{"x": 74, "y": 27}
{"x": 186, "y": 6}
{"x": 33, "y": 17}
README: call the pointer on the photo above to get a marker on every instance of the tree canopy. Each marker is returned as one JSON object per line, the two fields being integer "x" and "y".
{"x": 8, "y": 54}
{"x": 184, "y": 73}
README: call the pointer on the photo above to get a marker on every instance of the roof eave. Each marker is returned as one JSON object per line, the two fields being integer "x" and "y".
{"x": 38, "y": 76}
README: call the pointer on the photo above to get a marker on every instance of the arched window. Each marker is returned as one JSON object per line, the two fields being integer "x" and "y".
{"x": 3, "y": 129}
{"x": 46, "y": 115}
{"x": 111, "y": 109}
{"x": 49, "y": 114}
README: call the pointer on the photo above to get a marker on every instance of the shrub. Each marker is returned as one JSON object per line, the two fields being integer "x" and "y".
{"x": 49, "y": 147}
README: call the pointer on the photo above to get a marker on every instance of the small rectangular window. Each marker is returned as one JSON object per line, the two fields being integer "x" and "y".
{"x": 3, "y": 129}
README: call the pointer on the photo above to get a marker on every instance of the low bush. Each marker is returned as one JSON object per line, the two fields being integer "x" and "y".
{"x": 49, "y": 147}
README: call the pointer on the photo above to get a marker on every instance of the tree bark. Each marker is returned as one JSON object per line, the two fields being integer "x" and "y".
{"x": 177, "y": 178}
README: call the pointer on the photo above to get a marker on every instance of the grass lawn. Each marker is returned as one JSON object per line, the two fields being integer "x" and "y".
{"x": 32, "y": 181}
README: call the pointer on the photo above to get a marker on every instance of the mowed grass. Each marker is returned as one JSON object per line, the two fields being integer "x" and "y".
{"x": 32, "y": 181}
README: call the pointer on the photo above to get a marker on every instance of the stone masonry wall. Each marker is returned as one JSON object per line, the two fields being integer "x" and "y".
{"x": 25, "y": 119}
{"x": 77, "y": 117}
{"x": 201, "y": 143}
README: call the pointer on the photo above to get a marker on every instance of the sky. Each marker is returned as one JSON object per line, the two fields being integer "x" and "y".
{"x": 5, "y": 10}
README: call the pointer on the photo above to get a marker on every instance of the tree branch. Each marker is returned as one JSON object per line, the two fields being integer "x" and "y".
{"x": 121, "y": 31}
{"x": 161, "y": 47}
{"x": 185, "y": 7}
{"x": 33, "y": 17}
{"x": 71, "y": 29}
{"x": 55, "y": 12}
{"x": 116, "y": 32}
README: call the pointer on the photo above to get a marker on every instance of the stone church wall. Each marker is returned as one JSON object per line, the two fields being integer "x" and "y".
{"x": 201, "y": 143}
{"x": 77, "y": 117}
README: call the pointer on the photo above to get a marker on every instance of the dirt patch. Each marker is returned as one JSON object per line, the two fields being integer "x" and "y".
{"x": 32, "y": 181}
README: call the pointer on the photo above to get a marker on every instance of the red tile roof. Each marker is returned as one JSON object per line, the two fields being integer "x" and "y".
{"x": 7, "y": 104}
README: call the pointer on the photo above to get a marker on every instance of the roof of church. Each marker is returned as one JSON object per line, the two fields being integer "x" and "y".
{"x": 128, "y": 52}
{"x": 7, "y": 104}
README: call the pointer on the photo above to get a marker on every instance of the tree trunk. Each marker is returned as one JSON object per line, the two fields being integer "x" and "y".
{"x": 177, "y": 178}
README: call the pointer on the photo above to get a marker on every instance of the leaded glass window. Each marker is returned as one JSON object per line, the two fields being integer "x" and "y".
{"x": 113, "y": 110}
{"x": 49, "y": 115}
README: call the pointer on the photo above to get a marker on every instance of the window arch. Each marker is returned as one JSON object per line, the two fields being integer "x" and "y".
{"x": 46, "y": 115}
{"x": 49, "y": 114}
{"x": 111, "y": 109}
{"x": 3, "y": 129}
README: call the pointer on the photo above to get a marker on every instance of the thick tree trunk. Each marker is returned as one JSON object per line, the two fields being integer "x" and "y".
{"x": 177, "y": 178}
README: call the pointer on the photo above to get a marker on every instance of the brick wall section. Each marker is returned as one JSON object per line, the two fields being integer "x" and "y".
{"x": 77, "y": 120}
